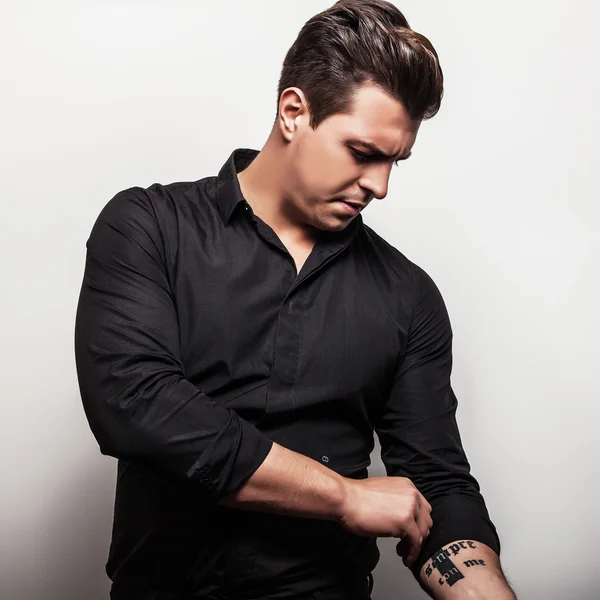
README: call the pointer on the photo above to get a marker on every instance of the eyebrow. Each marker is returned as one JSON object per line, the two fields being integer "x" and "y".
{"x": 377, "y": 151}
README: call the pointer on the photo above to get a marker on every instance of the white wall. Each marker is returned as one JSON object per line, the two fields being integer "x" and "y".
{"x": 499, "y": 204}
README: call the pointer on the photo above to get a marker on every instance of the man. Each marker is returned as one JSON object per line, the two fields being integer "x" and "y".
{"x": 240, "y": 338}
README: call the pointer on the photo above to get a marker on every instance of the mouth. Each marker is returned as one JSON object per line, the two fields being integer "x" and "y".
{"x": 352, "y": 208}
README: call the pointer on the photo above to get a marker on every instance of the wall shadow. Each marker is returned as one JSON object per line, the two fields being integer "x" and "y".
{"x": 77, "y": 537}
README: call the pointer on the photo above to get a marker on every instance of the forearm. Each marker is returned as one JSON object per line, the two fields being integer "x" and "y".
{"x": 465, "y": 569}
{"x": 290, "y": 483}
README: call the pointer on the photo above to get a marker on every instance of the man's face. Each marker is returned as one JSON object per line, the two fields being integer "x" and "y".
{"x": 339, "y": 167}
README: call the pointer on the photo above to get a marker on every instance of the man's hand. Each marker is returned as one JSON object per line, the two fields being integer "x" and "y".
{"x": 388, "y": 507}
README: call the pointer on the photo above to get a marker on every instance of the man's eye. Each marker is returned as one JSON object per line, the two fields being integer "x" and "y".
{"x": 360, "y": 156}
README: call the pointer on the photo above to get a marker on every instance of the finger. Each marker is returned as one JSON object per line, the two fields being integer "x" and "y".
{"x": 425, "y": 504}
{"x": 424, "y": 520}
{"x": 424, "y": 523}
{"x": 413, "y": 540}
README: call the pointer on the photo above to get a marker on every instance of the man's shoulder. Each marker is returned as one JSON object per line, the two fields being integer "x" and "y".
{"x": 161, "y": 201}
{"x": 404, "y": 269}
{"x": 175, "y": 194}
{"x": 388, "y": 255}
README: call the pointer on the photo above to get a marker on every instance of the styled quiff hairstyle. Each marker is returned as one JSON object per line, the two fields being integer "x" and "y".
{"x": 360, "y": 41}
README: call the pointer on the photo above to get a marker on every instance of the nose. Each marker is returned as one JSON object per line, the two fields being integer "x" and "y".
{"x": 375, "y": 179}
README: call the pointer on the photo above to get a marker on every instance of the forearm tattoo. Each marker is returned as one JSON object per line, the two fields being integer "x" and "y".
{"x": 472, "y": 563}
{"x": 449, "y": 572}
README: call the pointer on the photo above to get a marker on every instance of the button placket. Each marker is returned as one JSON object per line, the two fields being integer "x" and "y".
{"x": 289, "y": 330}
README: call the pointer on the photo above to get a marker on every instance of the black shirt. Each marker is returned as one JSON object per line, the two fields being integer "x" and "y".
{"x": 198, "y": 344}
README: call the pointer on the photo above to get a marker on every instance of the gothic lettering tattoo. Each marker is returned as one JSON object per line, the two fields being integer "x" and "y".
{"x": 472, "y": 563}
{"x": 444, "y": 555}
{"x": 449, "y": 573}
{"x": 446, "y": 568}
{"x": 456, "y": 548}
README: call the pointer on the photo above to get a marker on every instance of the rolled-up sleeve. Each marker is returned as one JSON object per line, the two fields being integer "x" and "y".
{"x": 419, "y": 435}
{"x": 138, "y": 403}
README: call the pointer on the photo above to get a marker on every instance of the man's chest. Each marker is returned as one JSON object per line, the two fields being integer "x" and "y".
{"x": 247, "y": 317}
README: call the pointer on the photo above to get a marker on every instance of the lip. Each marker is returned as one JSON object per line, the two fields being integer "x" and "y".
{"x": 351, "y": 209}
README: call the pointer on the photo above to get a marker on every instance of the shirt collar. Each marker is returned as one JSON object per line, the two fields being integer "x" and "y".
{"x": 229, "y": 195}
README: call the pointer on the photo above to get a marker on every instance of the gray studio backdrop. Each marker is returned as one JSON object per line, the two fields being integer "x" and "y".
{"x": 500, "y": 204}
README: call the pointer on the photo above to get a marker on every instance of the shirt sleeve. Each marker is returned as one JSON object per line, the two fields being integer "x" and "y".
{"x": 136, "y": 398}
{"x": 419, "y": 435}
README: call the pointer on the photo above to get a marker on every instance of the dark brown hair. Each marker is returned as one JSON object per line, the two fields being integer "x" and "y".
{"x": 359, "y": 41}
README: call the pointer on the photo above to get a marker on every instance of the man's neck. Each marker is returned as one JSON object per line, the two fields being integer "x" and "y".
{"x": 262, "y": 185}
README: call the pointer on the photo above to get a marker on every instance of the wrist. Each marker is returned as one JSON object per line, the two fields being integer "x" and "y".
{"x": 339, "y": 497}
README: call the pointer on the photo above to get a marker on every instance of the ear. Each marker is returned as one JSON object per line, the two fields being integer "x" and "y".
{"x": 293, "y": 116}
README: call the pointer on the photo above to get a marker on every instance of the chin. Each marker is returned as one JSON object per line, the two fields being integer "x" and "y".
{"x": 332, "y": 224}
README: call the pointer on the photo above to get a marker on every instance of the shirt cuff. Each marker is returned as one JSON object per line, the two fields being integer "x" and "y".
{"x": 457, "y": 518}
{"x": 235, "y": 455}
